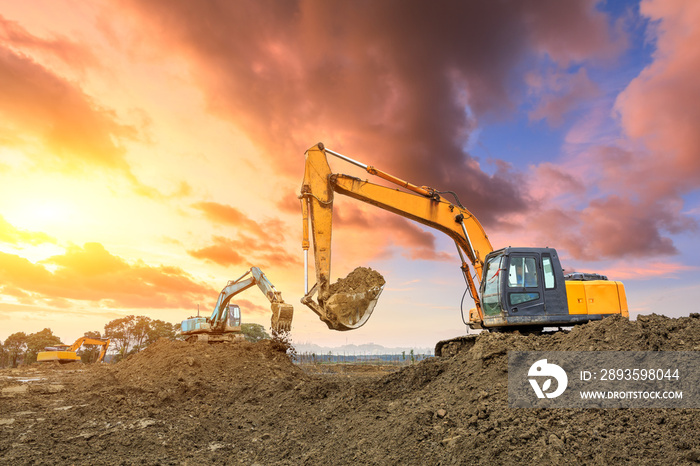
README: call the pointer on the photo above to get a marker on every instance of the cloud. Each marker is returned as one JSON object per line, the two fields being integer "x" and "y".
{"x": 92, "y": 274}
{"x": 228, "y": 215}
{"x": 397, "y": 84}
{"x": 646, "y": 271}
{"x": 246, "y": 251}
{"x": 72, "y": 53}
{"x": 659, "y": 107}
{"x": 561, "y": 94}
{"x": 635, "y": 183}
{"x": 71, "y": 130}
{"x": 249, "y": 242}
{"x": 249, "y": 308}
{"x": 390, "y": 230}
{"x": 10, "y": 234}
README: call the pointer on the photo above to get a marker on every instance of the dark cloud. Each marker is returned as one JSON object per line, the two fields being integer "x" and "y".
{"x": 397, "y": 84}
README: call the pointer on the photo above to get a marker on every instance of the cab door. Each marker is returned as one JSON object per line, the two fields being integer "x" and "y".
{"x": 524, "y": 287}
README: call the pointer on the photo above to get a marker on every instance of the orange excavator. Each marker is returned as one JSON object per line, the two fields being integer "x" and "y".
{"x": 69, "y": 353}
{"x": 513, "y": 288}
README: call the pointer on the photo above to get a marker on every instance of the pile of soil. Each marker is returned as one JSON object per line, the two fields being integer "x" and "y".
{"x": 359, "y": 280}
{"x": 178, "y": 403}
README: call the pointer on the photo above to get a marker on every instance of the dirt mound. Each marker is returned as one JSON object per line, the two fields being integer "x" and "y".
{"x": 178, "y": 403}
{"x": 465, "y": 398}
{"x": 358, "y": 281}
{"x": 177, "y": 370}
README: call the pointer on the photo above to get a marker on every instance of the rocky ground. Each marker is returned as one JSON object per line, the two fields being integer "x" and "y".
{"x": 180, "y": 403}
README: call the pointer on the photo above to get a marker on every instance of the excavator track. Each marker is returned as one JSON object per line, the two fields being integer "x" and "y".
{"x": 449, "y": 348}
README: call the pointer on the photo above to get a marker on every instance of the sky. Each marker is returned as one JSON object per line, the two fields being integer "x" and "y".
{"x": 152, "y": 151}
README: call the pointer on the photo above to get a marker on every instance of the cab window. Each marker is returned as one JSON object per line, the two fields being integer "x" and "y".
{"x": 491, "y": 303}
{"x": 522, "y": 272}
{"x": 548, "y": 272}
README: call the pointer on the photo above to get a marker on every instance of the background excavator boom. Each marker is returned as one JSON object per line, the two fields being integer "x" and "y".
{"x": 221, "y": 326}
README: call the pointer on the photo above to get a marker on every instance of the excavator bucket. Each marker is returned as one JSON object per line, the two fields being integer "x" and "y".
{"x": 348, "y": 303}
{"x": 282, "y": 317}
{"x": 351, "y": 310}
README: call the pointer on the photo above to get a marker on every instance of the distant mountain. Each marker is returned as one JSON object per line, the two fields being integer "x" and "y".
{"x": 365, "y": 349}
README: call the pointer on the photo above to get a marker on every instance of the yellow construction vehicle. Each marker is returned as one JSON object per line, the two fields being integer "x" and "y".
{"x": 512, "y": 288}
{"x": 69, "y": 353}
{"x": 224, "y": 324}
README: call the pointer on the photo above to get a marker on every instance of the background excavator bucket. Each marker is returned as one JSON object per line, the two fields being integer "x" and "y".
{"x": 282, "y": 314}
{"x": 350, "y": 310}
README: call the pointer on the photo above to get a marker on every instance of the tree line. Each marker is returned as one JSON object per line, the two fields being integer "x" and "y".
{"x": 128, "y": 335}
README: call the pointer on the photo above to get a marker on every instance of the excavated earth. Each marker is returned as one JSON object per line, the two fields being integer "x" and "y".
{"x": 179, "y": 403}
{"x": 359, "y": 280}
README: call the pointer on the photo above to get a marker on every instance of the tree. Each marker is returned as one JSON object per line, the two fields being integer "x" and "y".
{"x": 142, "y": 325}
{"x": 254, "y": 332}
{"x": 161, "y": 329}
{"x": 37, "y": 342}
{"x": 3, "y": 355}
{"x": 131, "y": 334}
{"x": 15, "y": 345}
{"x": 120, "y": 331}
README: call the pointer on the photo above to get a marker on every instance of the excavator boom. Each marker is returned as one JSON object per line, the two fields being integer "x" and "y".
{"x": 422, "y": 204}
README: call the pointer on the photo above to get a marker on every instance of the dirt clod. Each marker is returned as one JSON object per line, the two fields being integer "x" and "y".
{"x": 179, "y": 403}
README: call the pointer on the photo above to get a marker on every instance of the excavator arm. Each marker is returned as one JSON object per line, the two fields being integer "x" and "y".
{"x": 281, "y": 312}
{"x": 91, "y": 341}
{"x": 422, "y": 204}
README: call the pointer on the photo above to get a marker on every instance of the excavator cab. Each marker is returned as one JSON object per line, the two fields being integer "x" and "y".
{"x": 526, "y": 287}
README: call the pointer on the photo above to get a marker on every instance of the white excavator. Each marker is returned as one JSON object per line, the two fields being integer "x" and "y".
{"x": 224, "y": 324}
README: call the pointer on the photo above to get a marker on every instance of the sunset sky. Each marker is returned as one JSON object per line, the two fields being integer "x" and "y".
{"x": 151, "y": 151}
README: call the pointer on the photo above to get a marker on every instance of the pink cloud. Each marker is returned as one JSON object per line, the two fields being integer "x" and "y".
{"x": 561, "y": 94}
{"x": 659, "y": 107}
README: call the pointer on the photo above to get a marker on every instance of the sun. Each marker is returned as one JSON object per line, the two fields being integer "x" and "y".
{"x": 40, "y": 214}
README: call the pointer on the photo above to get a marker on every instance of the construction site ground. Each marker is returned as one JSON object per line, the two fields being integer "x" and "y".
{"x": 180, "y": 403}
